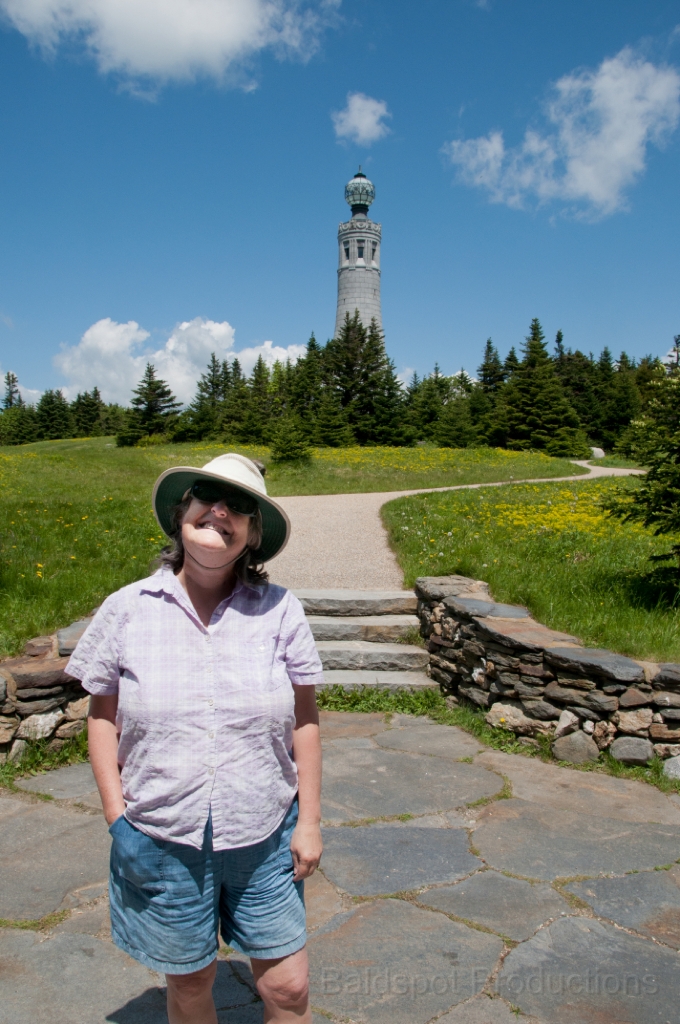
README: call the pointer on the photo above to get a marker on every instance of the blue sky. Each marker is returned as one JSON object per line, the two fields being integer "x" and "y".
{"x": 172, "y": 178}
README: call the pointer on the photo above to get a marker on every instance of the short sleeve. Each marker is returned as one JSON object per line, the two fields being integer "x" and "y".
{"x": 96, "y": 661}
{"x": 303, "y": 664}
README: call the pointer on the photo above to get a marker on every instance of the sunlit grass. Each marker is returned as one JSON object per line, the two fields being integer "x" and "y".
{"x": 553, "y": 548}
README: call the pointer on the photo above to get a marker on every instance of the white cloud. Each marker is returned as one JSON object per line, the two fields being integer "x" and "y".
{"x": 363, "y": 119}
{"x": 164, "y": 40}
{"x": 112, "y": 357}
{"x": 603, "y": 122}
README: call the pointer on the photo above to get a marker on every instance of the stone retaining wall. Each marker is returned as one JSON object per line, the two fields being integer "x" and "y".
{"x": 535, "y": 681}
{"x": 38, "y": 699}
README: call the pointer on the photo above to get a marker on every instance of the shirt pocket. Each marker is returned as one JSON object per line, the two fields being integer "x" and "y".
{"x": 258, "y": 667}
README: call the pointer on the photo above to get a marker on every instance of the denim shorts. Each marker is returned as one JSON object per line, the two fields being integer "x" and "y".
{"x": 168, "y": 900}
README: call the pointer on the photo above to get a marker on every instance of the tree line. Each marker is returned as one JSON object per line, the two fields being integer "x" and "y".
{"x": 347, "y": 392}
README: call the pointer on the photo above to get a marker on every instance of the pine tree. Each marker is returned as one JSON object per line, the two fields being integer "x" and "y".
{"x": 18, "y": 425}
{"x": 559, "y": 348}
{"x": 307, "y": 384}
{"x": 289, "y": 443}
{"x": 577, "y": 374}
{"x": 87, "y": 410}
{"x": 490, "y": 372}
{"x": 510, "y": 364}
{"x": 455, "y": 428}
{"x": 331, "y": 429}
{"x": 12, "y": 394}
{"x": 154, "y": 404}
{"x": 375, "y": 414}
{"x": 534, "y": 401}
{"x": 235, "y": 402}
{"x": 53, "y": 415}
{"x": 256, "y": 425}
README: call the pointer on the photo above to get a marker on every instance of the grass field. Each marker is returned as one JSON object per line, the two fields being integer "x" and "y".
{"x": 553, "y": 548}
{"x": 77, "y": 519}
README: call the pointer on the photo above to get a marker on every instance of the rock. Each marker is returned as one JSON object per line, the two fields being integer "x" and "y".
{"x": 632, "y": 750}
{"x": 529, "y": 692}
{"x": 541, "y": 709}
{"x": 436, "y": 588}
{"x": 39, "y": 727}
{"x": 55, "y": 745}
{"x": 38, "y": 693}
{"x": 17, "y": 751}
{"x": 603, "y": 734}
{"x": 633, "y": 698}
{"x": 664, "y": 750}
{"x": 29, "y": 673}
{"x": 594, "y": 699}
{"x": 39, "y": 646}
{"x": 70, "y": 729}
{"x": 477, "y": 696}
{"x": 670, "y": 714}
{"x": 512, "y": 718}
{"x": 36, "y": 707}
{"x": 589, "y": 727}
{"x": 666, "y": 699}
{"x": 577, "y": 748}
{"x": 604, "y": 663}
{"x": 668, "y": 677}
{"x": 635, "y": 723}
{"x": 576, "y": 682}
{"x": 662, "y": 732}
{"x": 671, "y": 769}
{"x": 8, "y": 727}
{"x": 469, "y": 607}
{"x": 598, "y": 453}
{"x": 68, "y": 638}
{"x": 568, "y": 722}
{"x": 3, "y": 690}
{"x": 521, "y": 635}
{"x": 77, "y": 710}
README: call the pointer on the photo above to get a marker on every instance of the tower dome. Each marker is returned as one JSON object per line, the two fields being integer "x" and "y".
{"x": 359, "y": 193}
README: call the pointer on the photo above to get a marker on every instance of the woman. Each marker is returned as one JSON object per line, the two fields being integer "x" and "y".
{"x": 204, "y": 741}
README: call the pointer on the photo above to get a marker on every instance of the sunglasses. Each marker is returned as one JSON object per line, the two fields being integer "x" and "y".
{"x": 236, "y": 501}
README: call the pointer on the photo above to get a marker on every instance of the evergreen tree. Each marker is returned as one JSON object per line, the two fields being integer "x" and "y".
{"x": 375, "y": 413}
{"x": 235, "y": 402}
{"x": 424, "y": 404}
{"x": 255, "y": 425}
{"x": 307, "y": 384}
{"x": 510, "y": 364}
{"x": 534, "y": 401}
{"x": 559, "y": 348}
{"x": 289, "y": 443}
{"x": 343, "y": 359}
{"x": 53, "y": 414}
{"x": 154, "y": 404}
{"x": 455, "y": 428}
{"x": 18, "y": 425}
{"x": 577, "y": 374}
{"x": 87, "y": 410}
{"x": 12, "y": 394}
{"x": 331, "y": 429}
{"x": 490, "y": 371}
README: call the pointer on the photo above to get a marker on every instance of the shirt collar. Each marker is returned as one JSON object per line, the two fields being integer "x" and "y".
{"x": 164, "y": 581}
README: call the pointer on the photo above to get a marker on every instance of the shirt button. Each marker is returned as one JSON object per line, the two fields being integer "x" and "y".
{"x": 211, "y": 735}
{"x": 211, "y": 771}
{"x": 211, "y": 701}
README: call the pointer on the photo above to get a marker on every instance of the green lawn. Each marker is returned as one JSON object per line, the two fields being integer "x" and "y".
{"x": 77, "y": 519}
{"x": 553, "y": 548}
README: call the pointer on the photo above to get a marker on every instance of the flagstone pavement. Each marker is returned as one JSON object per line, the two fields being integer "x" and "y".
{"x": 458, "y": 884}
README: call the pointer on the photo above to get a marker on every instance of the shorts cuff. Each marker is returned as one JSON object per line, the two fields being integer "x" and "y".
{"x": 271, "y": 952}
{"x": 161, "y": 966}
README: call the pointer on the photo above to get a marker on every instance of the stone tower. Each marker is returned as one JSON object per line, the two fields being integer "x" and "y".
{"x": 359, "y": 257}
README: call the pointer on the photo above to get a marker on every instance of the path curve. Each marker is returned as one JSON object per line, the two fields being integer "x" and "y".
{"x": 338, "y": 540}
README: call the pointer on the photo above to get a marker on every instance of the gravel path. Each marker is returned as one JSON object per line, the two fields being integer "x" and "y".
{"x": 338, "y": 540}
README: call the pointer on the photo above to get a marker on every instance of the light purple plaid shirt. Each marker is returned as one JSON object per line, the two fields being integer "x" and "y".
{"x": 205, "y": 715}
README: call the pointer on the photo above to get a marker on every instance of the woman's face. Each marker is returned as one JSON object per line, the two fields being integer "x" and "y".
{"x": 214, "y": 535}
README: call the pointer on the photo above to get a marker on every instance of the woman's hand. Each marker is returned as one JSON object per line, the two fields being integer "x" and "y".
{"x": 306, "y": 847}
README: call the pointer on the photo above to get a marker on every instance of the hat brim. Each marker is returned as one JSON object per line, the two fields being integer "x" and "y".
{"x": 172, "y": 485}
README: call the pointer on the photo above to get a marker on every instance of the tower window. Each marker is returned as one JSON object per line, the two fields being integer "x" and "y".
{"x": 346, "y": 250}
{"x": 360, "y": 248}
{"x": 375, "y": 247}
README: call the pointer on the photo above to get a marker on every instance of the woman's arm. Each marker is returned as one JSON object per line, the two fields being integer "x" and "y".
{"x": 103, "y": 744}
{"x": 306, "y": 844}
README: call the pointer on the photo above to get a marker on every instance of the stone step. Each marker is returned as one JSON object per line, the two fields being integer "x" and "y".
{"x": 354, "y": 680}
{"x": 374, "y": 628}
{"x": 362, "y": 654}
{"x": 357, "y": 602}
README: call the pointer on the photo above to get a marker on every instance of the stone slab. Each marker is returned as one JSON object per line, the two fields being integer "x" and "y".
{"x": 362, "y": 781}
{"x": 647, "y": 902}
{"x": 429, "y": 738}
{"x": 354, "y": 680}
{"x": 79, "y": 979}
{"x": 532, "y": 841}
{"x": 71, "y": 782}
{"x": 578, "y": 971}
{"x": 361, "y": 654}
{"x": 322, "y": 901}
{"x": 371, "y": 628}
{"x": 357, "y": 602}
{"x": 392, "y": 963}
{"x": 470, "y": 606}
{"x": 436, "y": 588}
{"x": 370, "y": 861}
{"x": 68, "y": 637}
{"x": 522, "y": 634}
{"x": 508, "y": 906}
{"x": 336, "y": 724}
{"x": 605, "y": 663}
{"x": 593, "y": 793}
{"x": 47, "y": 851}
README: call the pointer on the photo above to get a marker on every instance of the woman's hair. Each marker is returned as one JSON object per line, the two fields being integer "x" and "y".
{"x": 248, "y": 568}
